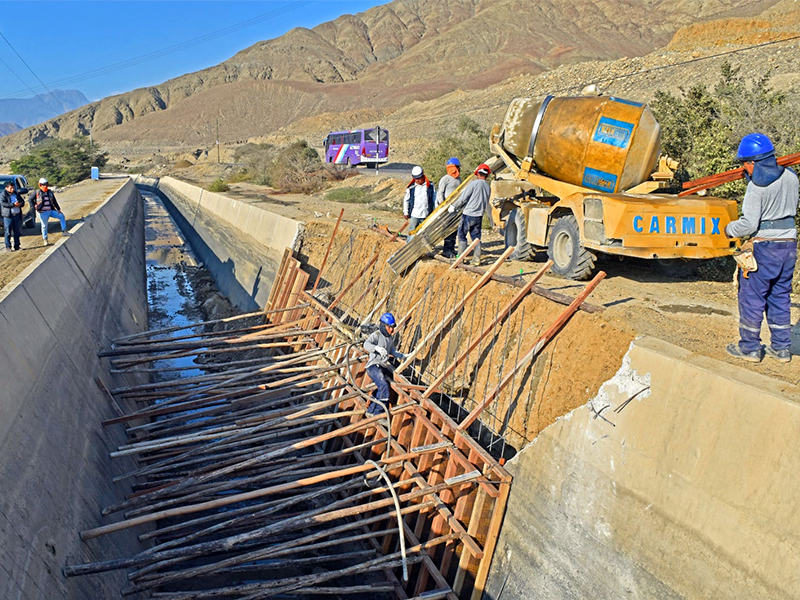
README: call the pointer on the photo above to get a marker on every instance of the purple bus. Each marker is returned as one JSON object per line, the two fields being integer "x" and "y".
{"x": 359, "y": 146}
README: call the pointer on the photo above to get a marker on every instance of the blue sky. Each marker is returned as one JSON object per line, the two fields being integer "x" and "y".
{"x": 69, "y": 40}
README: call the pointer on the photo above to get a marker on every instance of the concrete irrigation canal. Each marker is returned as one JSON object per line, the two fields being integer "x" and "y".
{"x": 183, "y": 416}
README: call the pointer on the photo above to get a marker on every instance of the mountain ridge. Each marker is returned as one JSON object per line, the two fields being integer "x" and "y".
{"x": 41, "y": 107}
{"x": 386, "y": 57}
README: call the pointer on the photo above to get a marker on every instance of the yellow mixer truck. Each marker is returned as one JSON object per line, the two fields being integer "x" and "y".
{"x": 580, "y": 171}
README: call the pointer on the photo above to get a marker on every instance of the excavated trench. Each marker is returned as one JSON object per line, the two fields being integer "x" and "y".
{"x": 260, "y": 474}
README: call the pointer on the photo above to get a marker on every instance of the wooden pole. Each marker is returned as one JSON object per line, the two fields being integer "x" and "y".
{"x": 488, "y": 329}
{"x": 537, "y": 347}
{"x": 327, "y": 252}
{"x": 456, "y": 309}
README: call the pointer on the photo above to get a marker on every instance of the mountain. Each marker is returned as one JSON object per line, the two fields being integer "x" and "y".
{"x": 30, "y": 111}
{"x": 388, "y": 57}
{"x": 7, "y": 128}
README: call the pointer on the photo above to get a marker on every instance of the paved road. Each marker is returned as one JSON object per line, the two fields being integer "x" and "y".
{"x": 395, "y": 169}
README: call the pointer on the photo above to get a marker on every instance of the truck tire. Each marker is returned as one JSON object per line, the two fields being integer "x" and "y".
{"x": 570, "y": 258}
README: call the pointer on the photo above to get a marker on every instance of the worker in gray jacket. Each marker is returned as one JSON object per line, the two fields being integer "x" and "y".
{"x": 769, "y": 209}
{"x": 448, "y": 185}
{"x": 475, "y": 201}
{"x": 380, "y": 345}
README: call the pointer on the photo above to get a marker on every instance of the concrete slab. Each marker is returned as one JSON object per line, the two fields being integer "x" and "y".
{"x": 55, "y": 473}
{"x": 678, "y": 480}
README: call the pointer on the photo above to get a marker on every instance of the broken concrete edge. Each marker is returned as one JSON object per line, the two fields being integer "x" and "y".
{"x": 680, "y": 476}
{"x": 55, "y": 472}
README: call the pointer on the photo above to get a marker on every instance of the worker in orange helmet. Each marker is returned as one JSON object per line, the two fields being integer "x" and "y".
{"x": 474, "y": 203}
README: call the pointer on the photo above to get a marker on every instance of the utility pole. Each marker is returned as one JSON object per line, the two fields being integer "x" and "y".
{"x": 217, "y": 140}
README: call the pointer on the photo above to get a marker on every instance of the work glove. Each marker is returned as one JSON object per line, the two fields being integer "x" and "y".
{"x": 380, "y": 351}
{"x": 451, "y": 209}
{"x": 406, "y": 217}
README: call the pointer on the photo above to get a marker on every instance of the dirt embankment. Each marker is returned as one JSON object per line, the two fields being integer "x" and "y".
{"x": 565, "y": 375}
{"x": 698, "y": 314}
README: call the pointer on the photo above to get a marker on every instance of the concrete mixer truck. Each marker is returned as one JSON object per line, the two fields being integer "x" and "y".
{"x": 579, "y": 171}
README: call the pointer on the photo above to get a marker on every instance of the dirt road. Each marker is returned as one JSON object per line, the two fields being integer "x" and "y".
{"x": 76, "y": 202}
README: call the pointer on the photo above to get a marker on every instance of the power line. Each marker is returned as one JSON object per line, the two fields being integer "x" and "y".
{"x": 23, "y": 62}
{"x": 170, "y": 49}
{"x": 17, "y": 76}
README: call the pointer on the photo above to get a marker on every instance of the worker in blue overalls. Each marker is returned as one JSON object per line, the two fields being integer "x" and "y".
{"x": 768, "y": 211}
{"x": 381, "y": 347}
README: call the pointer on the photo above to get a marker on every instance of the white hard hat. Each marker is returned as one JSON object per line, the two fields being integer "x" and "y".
{"x": 42, "y": 181}
{"x": 416, "y": 172}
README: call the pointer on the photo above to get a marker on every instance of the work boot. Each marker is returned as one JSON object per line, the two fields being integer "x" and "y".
{"x": 462, "y": 246}
{"x": 779, "y": 355}
{"x": 46, "y": 243}
{"x": 476, "y": 256}
{"x": 66, "y": 233}
{"x": 734, "y": 350}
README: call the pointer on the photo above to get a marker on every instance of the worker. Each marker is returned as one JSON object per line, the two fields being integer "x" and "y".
{"x": 380, "y": 345}
{"x": 12, "y": 204}
{"x": 47, "y": 206}
{"x": 475, "y": 201}
{"x": 769, "y": 209}
{"x": 448, "y": 185}
{"x": 418, "y": 201}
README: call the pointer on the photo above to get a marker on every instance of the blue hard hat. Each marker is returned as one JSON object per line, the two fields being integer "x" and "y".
{"x": 754, "y": 146}
{"x": 453, "y": 161}
{"x": 388, "y": 319}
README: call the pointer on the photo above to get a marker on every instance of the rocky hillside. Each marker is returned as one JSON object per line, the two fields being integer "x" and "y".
{"x": 385, "y": 58}
{"x": 694, "y": 55}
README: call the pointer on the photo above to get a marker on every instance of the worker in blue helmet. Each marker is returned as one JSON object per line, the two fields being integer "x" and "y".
{"x": 381, "y": 347}
{"x": 769, "y": 209}
{"x": 448, "y": 185}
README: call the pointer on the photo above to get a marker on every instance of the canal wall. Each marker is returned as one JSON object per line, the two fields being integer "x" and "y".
{"x": 55, "y": 472}
{"x": 242, "y": 245}
{"x": 678, "y": 480}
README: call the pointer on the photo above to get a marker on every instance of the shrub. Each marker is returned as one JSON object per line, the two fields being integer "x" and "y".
{"x": 218, "y": 185}
{"x": 295, "y": 167}
{"x": 61, "y": 162}
{"x": 701, "y": 128}
{"x": 239, "y": 176}
{"x": 469, "y": 143}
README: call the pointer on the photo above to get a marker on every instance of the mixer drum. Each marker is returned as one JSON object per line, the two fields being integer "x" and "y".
{"x": 603, "y": 143}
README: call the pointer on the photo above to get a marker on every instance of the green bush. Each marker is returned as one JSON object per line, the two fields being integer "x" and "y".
{"x": 61, "y": 162}
{"x": 218, "y": 185}
{"x": 295, "y": 167}
{"x": 469, "y": 143}
{"x": 701, "y": 127}
{"x": 239, "y": 176}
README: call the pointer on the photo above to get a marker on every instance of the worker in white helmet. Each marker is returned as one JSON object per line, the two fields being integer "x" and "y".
{"x": 419, "y": 198}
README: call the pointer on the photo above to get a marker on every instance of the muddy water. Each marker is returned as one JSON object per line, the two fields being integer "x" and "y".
{"x": 172, "y": 298}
